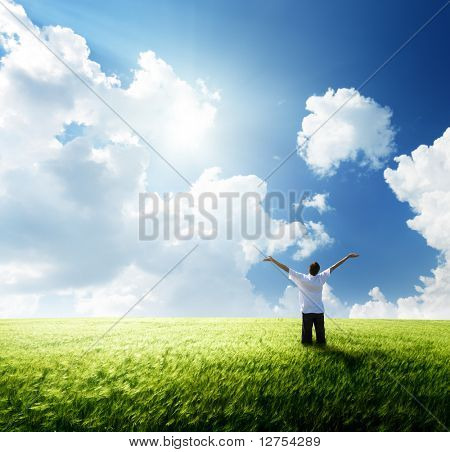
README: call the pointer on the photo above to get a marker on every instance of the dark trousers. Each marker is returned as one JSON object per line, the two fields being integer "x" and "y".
{"x": 308, "y": 320}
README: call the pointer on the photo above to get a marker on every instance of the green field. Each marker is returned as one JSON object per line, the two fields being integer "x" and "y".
{"x": 222, "y": 374}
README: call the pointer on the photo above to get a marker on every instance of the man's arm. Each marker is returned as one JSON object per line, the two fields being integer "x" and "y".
{"x": 278, "y": 264}
{"x": 339, "y": 263}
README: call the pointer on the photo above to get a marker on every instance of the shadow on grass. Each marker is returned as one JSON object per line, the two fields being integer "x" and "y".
{"x": 352, "y": 359}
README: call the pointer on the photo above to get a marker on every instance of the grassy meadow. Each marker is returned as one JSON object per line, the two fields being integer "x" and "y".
{"x": 223, "y": 375}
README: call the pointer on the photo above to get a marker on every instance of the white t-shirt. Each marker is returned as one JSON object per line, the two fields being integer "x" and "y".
{"x": 310, "y": 290}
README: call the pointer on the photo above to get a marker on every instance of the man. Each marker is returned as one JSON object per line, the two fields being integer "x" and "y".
{"x": 310, "y": 296}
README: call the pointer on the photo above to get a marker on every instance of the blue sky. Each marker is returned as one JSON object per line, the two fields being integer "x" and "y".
{"x": 267, "y": 58}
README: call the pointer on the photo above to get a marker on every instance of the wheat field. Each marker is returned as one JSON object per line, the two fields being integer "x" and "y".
{"x": 205, "y": 374}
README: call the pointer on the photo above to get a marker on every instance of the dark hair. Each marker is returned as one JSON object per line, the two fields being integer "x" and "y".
{"x": 314, "y": 268}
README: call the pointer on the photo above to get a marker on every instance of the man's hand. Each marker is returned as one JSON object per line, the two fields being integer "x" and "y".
{"x": 338, "y": 264}
{"x": 278, "y": 264}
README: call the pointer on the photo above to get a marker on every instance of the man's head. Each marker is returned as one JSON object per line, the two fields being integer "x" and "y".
{"x": 314, "y": 268}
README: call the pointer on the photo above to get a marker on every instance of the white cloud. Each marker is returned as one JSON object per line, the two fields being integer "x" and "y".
{"x": 14, "y": 273}
{"x": 117, "y": 296}
{"x": 40, "y": 95}
{"x": 334, "y": 307}
{"x": 318, "y": 202}
{"x": 288, "y": 305}
{"x": 316, "y": 237}
{"x": 67, "y": 205}
{"x": 422, "y": 180}
{"x": 212, "y": 281}
{"x": 213, "y": 95}
{"x": 69, "y": 211}
{"x": 19, "y": 305}
{"x": 361, "y": 131}
{"x": 377, "y": 307}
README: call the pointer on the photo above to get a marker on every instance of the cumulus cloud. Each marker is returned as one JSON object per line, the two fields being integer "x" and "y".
{"x": 376, "y": 307}
{"x": 19, "y": 305}
{"x": 422, "y": 180}
{"x": 316, "y": 237}
{"x": 319, "y": 201}
{"x": 361, "y": 131}
{"x": 214, "y": 95}
{"x": 334, "y": 306}
{"x": 217, "y": 266}
{"x": 41, "y": 96}
{"x": 69, "y": 207}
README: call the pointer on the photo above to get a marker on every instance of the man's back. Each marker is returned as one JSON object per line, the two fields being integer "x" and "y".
{"x": 310, "y": 290}
{"x": 310, "y": 295}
